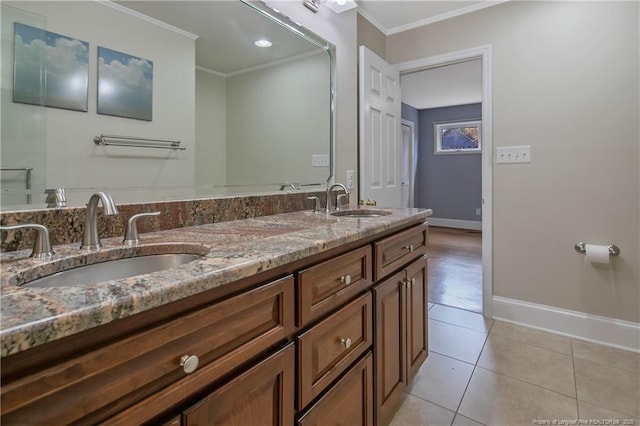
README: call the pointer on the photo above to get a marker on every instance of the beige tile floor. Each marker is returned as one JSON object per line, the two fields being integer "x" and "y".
{"x": 485, "y": 372}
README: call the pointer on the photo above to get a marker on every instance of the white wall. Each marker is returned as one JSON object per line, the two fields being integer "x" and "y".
{"x": 291, "y": 95}
{"x": 341, "y": 31}
{"x": 211, "y": 129}
{"x": 71, "y": 155}
{"x": 566, "y": 82}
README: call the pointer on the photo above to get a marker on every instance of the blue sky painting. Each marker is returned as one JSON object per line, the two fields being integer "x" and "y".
{"x": 50, "y": 69}
{"x": 125, "y": 85}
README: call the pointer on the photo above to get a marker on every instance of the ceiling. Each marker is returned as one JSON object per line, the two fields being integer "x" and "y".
{"x": 394, "y": 16}
{"x": 450, "y": 85}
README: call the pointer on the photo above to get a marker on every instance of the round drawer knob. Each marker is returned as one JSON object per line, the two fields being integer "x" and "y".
{"x": 189, "y": 363}
{"x": 346, "y": 342}
{"x": 346, "y": 279}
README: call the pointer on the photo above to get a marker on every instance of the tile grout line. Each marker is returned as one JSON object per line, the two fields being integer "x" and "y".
{"x": 471, "y": 377}
{"x": 575, "y": 379}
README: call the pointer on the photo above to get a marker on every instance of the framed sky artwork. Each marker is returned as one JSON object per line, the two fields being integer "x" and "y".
{"x": 50, "y": 69}
{"x": 125, "y": 85}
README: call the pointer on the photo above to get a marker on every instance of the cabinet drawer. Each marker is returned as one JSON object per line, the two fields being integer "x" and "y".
{"x": 324, "y": 287}
{"x": 349, "y": 402}
{"x": 98, "y": 384}
{"x": 261, "y": 396}
{"x": 328, "y": 348}
{"x": 396, "y": 251}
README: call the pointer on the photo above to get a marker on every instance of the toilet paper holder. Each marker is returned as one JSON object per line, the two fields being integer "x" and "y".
{"x": 581, "y": 248}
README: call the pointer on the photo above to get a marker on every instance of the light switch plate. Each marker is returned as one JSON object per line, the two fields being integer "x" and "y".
{"x": 513, "y": 154}
{"x": 320, "y": 160}
{"x": 351, "y": 179}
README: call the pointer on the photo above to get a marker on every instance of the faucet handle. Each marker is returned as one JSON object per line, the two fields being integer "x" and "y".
{"x": 339, "y": 201}
{"x": 42, "y": 244}
{"x": 131, "y": 237}
{"x": 316, "y": 204}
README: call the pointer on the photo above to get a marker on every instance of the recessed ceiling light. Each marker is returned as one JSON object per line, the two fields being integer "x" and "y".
{"x": 263, "y": 43}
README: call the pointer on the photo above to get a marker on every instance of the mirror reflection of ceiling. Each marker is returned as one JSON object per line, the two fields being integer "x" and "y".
{"x": 226, "y": 33}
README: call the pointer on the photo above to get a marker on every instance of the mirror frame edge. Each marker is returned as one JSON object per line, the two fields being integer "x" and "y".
{"x": 262, "y": 7}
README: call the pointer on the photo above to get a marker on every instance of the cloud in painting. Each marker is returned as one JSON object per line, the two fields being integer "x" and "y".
{"x": 50, "y": 69}
{"x": 125, "y": 85}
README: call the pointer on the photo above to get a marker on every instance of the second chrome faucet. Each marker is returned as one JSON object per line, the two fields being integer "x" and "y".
{"x": 338, "y": 199}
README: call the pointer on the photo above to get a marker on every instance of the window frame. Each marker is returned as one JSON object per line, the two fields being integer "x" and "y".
{"x": 437, "y": 139}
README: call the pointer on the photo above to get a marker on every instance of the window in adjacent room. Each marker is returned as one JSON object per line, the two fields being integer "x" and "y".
{"x": 458, "y": 138}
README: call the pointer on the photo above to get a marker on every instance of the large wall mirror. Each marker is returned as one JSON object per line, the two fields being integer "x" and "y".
{"x": 250, "y": 119}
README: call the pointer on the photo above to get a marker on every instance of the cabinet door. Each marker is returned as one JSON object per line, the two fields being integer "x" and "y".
{"x": 417, "y": 340}
{"x": 263, "y": 395}
{"x": 390, "y": 345}
{"x": 349, "y": 402}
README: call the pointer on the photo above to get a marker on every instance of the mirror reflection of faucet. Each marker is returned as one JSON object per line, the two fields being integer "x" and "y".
{"x": 91, "y": 239}
{"x": 56, "y": 197}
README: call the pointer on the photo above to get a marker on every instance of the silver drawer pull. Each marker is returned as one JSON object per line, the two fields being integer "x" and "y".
{"x": 413, "y": 281}
{"x": 189, "y": 363}
{"x": 346, "y": 342}
{"x": 346, "y": 279}
{"x": 409, "y": 247}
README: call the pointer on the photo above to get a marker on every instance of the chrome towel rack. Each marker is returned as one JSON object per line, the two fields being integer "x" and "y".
{"x": 115, "y": 140}
{"x": 581, "y": 247}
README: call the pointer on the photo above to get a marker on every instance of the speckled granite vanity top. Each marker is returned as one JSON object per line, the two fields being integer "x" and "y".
{"x": 232, "y": 250}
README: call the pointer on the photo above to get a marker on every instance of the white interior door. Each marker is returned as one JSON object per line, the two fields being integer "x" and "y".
{"x": 380, "y": 140}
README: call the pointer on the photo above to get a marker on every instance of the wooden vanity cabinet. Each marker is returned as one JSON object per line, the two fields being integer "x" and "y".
{"x": 401, "y": 341}
{"x": 335, "y": 341}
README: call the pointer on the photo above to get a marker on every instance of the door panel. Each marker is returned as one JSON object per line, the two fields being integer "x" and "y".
{"x": 380, "y": 136}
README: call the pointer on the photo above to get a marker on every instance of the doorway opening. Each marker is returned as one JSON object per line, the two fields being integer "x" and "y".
{"x": 461, "y": 257}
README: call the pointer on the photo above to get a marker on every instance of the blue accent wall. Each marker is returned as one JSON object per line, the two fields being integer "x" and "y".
{"x": 450, "y": 184}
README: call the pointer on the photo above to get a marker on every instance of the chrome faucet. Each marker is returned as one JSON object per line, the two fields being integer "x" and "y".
{"x": 90, "y": 239}
{"x": 338, "y": 204}
{"x": 41, "y": 245}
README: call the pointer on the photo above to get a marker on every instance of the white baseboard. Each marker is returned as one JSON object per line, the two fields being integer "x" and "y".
{"x": 593, "y": 328}
{"x": 455, "y": 223}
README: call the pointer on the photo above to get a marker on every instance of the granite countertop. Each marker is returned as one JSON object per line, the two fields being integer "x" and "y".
{"x": 232, "y": 250}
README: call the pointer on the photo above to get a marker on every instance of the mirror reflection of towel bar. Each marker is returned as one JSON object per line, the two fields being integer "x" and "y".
{"x": 28, "y": 171}
{"x": 582, "y": 248}
{"x": 137, "y": 142}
